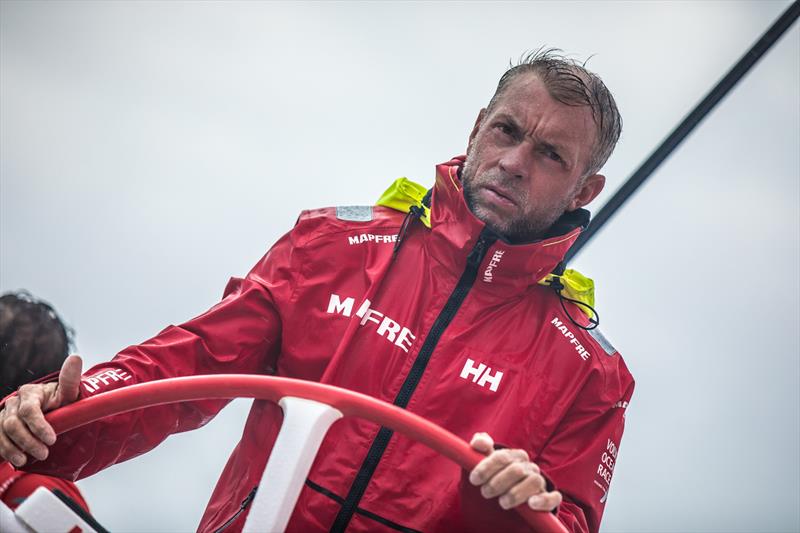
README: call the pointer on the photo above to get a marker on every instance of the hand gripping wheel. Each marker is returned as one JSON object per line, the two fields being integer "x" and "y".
{"x": 309, "y": 409}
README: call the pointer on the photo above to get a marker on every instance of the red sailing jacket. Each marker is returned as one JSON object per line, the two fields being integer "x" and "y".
{"x": 453, "y": 327}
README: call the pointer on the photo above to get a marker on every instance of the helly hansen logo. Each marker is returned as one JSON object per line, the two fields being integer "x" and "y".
{"x": 389, "y": 329}
{"x": 583, "y": 352}
{"x": 481, "y": 374}
{"x": 496, "y": 257}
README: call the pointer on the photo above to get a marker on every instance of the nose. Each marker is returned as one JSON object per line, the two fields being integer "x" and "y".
{"x": 516, "y": 161}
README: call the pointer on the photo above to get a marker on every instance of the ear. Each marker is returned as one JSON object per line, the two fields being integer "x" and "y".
{"x": 475, "y": 128}
{"x": 591, "y": 187}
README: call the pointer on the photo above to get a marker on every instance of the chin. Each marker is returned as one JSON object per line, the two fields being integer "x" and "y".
{"x": 493, "y": 221}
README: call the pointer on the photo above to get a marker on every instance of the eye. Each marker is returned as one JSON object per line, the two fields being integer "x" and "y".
{"x": 505, "y": 129}
{"x": 554, "y": 156}
{"x": 550, "y": 153}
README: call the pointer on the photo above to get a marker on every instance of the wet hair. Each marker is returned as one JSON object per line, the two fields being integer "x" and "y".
{"x": 570, "y": 83}
{"x": 33, "y": 340}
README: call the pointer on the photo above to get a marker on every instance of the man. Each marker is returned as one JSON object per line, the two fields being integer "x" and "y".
{"x": 34, "y": 342}
{"x": 453, "y": 307}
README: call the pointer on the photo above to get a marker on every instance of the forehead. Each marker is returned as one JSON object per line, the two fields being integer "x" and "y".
{"x": 527, "y": 100}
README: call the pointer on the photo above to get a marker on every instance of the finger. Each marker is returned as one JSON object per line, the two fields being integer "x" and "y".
{"x": 20, "y": 436}
{"x": 482, "y": 442}
{"x": 10, "y": 452}
{"x": 546, "y": 501}
{"x": 69, "y": 379}
{"x": 31, "y": 398}
{"x": 495, "y": 462}
{"x": 519, "y": 493}
{"x": 508, "y": 477}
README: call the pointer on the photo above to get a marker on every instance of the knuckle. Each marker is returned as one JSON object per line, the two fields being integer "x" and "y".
{"x": 11, "y": 404}
{"x": 482, "y": 469}
{"x": 26, "y": 392}
{"x": 518, "y": 469}
{"x": 520, "y": 454}
{"x": 501, "y": 464}
{"x": 10, "y": 425}
{"x": 491, "y": 464}
{"x": 504, "y": 455}
{"x": 27, "y": 410}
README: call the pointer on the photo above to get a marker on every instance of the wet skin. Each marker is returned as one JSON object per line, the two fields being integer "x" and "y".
{"x": 527, "y": 160}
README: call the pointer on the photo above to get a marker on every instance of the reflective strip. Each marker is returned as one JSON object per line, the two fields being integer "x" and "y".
{"x": 602, "y": 341}
{"x": 354, "y": 213}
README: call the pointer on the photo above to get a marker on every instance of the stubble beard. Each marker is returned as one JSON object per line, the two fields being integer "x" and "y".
{"x": 527, "y": 225}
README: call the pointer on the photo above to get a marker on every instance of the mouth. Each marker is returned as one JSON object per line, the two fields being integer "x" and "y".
{"x": 498, "y": 196}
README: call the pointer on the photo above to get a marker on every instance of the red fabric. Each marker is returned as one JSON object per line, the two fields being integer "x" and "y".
{"x": 16, "y": 486}
{"x": 562, "y": 406}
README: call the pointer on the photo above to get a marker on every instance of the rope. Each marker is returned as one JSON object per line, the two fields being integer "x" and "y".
{"x": 686, "y": 126}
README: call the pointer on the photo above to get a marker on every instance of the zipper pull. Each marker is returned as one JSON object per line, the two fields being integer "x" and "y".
{"x": 479, "y": 250}
{"x": 248, "y": 498}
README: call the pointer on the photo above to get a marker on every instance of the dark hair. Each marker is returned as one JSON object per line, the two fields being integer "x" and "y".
{"x": 33, "y": 340}
{"x": 571, "y": 83}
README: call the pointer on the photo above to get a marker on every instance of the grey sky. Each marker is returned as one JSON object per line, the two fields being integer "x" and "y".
{"x": 149, "y": 151}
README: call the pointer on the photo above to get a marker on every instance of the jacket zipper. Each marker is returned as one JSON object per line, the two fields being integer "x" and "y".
{"x": 242, "y": 507}
{"x": 446, "y": 315}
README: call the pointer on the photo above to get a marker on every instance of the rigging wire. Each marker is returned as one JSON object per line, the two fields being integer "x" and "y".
{"x": 688, "y": 124}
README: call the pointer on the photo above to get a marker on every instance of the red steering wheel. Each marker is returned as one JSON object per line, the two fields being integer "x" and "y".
{"x": 309, "y": 409}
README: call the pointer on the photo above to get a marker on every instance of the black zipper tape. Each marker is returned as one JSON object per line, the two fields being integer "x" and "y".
{"x": 446, "y": 315}
{"x": 247, "y": 500}
{"x": 363, "y": 512}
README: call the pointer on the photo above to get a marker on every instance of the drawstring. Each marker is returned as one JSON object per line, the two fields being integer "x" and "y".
{"x": 555, "y": 284}
{"x": 414, "y": 211}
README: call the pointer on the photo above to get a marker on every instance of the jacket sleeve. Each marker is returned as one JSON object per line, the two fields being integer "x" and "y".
{"x": 578, "y": 461}
{"x": 241, "y": 334}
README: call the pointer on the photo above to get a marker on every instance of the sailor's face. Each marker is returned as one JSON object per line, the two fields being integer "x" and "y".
{"x": 527, "y": 159}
